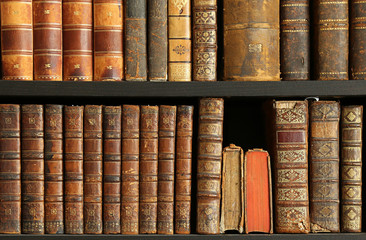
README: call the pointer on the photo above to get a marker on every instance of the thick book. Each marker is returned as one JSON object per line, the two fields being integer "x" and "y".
{"x": 209, "y": 158}
{"x": 324, "y": 166}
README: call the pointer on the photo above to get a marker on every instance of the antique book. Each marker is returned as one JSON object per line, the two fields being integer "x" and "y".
{"x": 73, "y": 169}
{"x": 108, "y": 40}
{"x": 148, "y": 169}
{"x": 47, "y": 31}
{"x": 295, "y": 34}
{"x": 135, "y": 40}
{"x": 257, "y": 181}
{"x": 351, "y": 168}
{"x": 53, "y": 164}
{"x": 232, "y": 201}
{"x": 324, "y": 166}
{"x": 331, "y": 39}
{"x": 10, "y": 186}
{"x": 130, "y": 169}
{"x": 157, "y": 39}
{"x": 209, "y": 157}
{"x": 251, "y": 40}
{"x": 77, "y": 24}
{"x": 179, "y": 35}
{"x": 16, "y": 40}
{"x": 183, "y": 171}
{"x": 32, "y": 147}
{"x": 204, "y": 40}
{"x": 112, "y": 116}
{"x": 93, "y": 169}
{"x": 166, "y": 163}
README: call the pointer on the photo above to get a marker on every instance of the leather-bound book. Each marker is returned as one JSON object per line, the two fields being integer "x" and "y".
{"x": 32, "y": 146}
{"x": 130, "y": 169}
{"x": 16, "y": 40}
{"x": 47, "y": 31}
{"x": 232, "y": 201}
{"x": 183, "y": 171}
{"x": 53, "y": 161}
{"x": 149, "y": 122}
{"x": 157, "y": 40}
{"x": 93, "y": 169}
{"x": 73, "y": 169}
{"x": 331, "y": 39}
{"x": 180, "y": 60}
{"x": 324, "y": 166}
{"x": 108, "y": 40}
{"x": 295, "y": 40}
{"x": 210, "y": 136}
{"x": 135, "y": 43}
{"x": 204, "y": 40}
{"x": 10, "y": 186}
{"x": 77, "y": 24}
{"x": 251, "y": 40}
{"x": 112, "y": 116}
{"x": 167, "y": 126}
{"x": 351, "y": 168}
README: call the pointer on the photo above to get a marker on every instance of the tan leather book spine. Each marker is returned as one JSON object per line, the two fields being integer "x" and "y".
{"x": 10, "y": 185}
{"x": 210, "y": 136}
{"x": 108, "y": 40}
{"x": 179, "y": 35}
{"x": 183, "y": 172}
{"x": 204, "y": 40}
{"x": 73, "y": 180}
{"x": 167, "y": 126}
{"x": 351, "y": 168}
{"x": 53, "y": 156}
{"x": 324, "y": 166}
{"x": 47, "y": 31}
{"x": 112, "y": 116}
{"x": 16, "y": 40}
{"x": 32, "y": 146}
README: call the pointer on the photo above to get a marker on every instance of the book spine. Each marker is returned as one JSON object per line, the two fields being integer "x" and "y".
{"x": 74, "y": 191}
{"x": 108, "y": 40}
{"x": 47, "y": 31}
{"x": 10, "y": 185}
{"x": 16, "y": 40}
{"x": 183, "y": 173}
{"x": 148, "y": 169}
{"x": 204, "y": 40}
{"x": 77, "y": 22}
{"x": 32, "y": 146}
{"x": 112, "y": 116}
{"x": 324, "y": 166}
{"x": 351, "y": 169}
{"x": 210, "y": 136}
{"x": 167, "y": 126}
{"x": 179, "y": 35}
{"x": 135, "y": 44}
{"x": 53, "y": 155}
{"x": 130, "y": 169}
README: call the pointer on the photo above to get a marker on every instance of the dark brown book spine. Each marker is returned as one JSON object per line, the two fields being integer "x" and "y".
{"x": 112, "y": 116}
{"x": 167, "y": 125}
{"x": 183, "y": 172}
{"x": 10, "y": 186}
{"x": 210, "y": 136}
{"x": 53, "y": 156}
{"x": 32, "y": 169}
{"x": 73, "y": 134}
{"x": 351, "y": 169}
{"x": 148, "y": 169}
{"x": 324, "y": 166}
{"x": 93, "y": 169}
{"x": 130, "y": 169}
